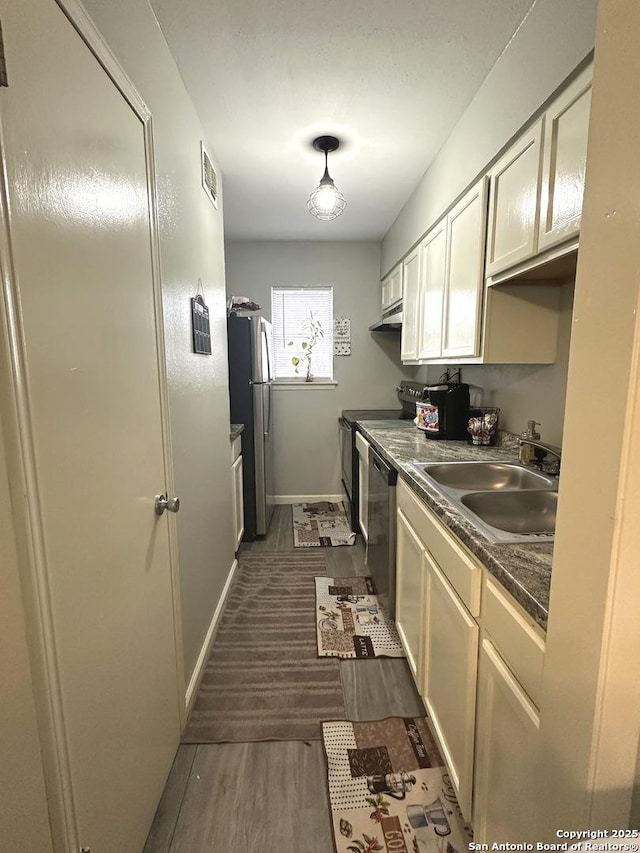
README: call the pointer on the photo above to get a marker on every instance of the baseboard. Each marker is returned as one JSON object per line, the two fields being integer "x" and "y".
{"x": 198, "y": 670}
{"x": 307, "y": 499}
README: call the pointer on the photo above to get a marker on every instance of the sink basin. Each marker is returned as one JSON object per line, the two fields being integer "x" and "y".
{"x": 476, "y": 476}
{"x": 520, "y": 512}
{"x": 504, "y": 501}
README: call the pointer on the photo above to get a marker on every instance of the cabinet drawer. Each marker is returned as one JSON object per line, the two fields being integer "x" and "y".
{"x": 518, "y": 639}
{"x": 236, "y": 448}
{"x": 362, "y": 445}
{"x": 460, "y": 568}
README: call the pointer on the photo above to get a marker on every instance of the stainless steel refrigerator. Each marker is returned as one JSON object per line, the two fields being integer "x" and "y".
{"x": 250, "y": 345}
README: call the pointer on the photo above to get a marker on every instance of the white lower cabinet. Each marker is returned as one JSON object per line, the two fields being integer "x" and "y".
{"x": 449, "y": 678}
{"x": 480, "y": 698}
{"x": 433, "y": 616}
{"x": 506, "y": 755}
{"x": 237, "y": 492}
{"x": 410, "y": 567}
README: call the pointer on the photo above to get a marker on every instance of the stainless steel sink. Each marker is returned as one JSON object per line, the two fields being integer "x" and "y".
{"x": 504, "y": 501}
{"x": 522, "y": 512}
{"x": 472, "y": 476}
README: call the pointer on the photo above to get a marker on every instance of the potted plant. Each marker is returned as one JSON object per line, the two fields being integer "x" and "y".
{"x": 314, "y": 332}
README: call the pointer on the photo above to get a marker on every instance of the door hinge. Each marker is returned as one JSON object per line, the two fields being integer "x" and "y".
{"x": 3, "y": 62}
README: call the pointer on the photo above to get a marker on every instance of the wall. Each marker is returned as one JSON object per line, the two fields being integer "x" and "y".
{"x": 525, "y": 391}
{"x": 306, "y": 421}
{"x": 552, "y": 40}
{"x": 191, "y": 248}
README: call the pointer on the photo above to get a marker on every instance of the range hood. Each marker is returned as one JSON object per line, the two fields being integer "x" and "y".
{"x": 390, "y": 320}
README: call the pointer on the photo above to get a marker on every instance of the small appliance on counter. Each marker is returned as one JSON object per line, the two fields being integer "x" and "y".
{"x": 443, "y": 413}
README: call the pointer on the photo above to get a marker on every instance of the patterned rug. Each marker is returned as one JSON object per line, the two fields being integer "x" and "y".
{"x": 351, "y": 622}
{"x": 263, "y": 679}
{"x": 389, "y": 789}
{"x": 321, "y": 525}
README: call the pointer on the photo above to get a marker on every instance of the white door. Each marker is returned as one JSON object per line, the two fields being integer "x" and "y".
{"x": 506, "y": 761}
{"x": 514, "y": 202}
{"x": 449, "y": 678}
{"x": 238, "y": 501}
{"x": 433, "y": 251}
{"x": 410, "y": 605}
{"x": 410, "y": 285}
{"x": 566, "y": 127}
{"x": 464, "y": 285}
{"x": 80, "y": 233}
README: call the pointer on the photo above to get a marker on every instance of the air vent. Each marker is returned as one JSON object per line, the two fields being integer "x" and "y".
{"x": 209, "y": 177}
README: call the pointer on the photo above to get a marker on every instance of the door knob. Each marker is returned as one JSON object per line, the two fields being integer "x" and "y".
{"x": 163, "y": 502}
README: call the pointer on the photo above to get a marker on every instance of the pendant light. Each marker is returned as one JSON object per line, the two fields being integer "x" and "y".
{"x": 326, "y": 201}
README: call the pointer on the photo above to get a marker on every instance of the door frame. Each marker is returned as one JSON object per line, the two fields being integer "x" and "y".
{"x": 25, "y": 499}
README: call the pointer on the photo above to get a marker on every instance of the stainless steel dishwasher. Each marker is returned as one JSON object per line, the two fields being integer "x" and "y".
{"x": 381, "y": 520}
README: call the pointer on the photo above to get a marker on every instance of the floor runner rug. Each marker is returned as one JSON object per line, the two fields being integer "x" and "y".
{"x": 263, "y": 679}
{"x": 321, "y": 525}
{"x": 389, "y": 789}
{"x": 351, "y": 622}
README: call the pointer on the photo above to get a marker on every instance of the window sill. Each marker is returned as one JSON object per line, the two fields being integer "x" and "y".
{"x": 301, "y": 385}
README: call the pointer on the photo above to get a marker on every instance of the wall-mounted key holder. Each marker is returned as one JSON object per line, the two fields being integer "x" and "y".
{"x": 200, "y": 325}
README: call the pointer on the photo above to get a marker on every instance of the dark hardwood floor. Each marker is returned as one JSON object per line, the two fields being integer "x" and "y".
{"x": 272, "y": 796}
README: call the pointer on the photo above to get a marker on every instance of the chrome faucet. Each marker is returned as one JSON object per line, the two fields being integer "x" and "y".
{"x": 551, "y": 467}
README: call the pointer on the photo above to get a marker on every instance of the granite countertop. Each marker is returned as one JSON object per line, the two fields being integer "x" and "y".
{"x": 235, "y": 431}
{"x": 523, "y": 570}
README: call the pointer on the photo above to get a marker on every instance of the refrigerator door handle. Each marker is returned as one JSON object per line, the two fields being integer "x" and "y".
{"x": 267, "y": 389}
{"x": 266, "y": 350}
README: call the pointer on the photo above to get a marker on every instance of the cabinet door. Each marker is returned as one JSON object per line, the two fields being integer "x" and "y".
{"x": 566, "y": 128}
{"x": 506, "y": 748}
{"x": 363, "y": 482}
{"x": 449, "y": 678}
{"x": 410, "y": 567}
{"x": 386, "y": 293}
{"x": 392, "y": 287}
{"x": 238, "y": 502}
{"x": 464, "y": 285}
{"x": 514, "y": 204}
{"x": 396, "y": 284}
{"x": 410, "y": 316}
{"x": 431, "y": 290}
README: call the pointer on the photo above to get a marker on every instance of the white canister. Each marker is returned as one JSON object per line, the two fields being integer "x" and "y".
{"x": 427, "y": 417}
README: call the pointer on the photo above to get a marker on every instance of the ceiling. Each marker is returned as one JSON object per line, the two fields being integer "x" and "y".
{"x": 390, "y": 79}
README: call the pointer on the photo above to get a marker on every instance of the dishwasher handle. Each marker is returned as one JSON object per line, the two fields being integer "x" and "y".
{"x": 389, "y": 473}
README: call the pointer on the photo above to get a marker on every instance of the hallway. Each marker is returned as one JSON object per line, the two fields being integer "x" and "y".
{"x": 266, "y": 796}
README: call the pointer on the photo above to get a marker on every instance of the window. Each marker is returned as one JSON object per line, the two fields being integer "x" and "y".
{"x": 291, "y": 311}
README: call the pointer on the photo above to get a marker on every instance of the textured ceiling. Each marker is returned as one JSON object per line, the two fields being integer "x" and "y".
{"x": 390, "y": 79}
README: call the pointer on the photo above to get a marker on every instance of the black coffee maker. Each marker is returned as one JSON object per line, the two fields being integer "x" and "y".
{"x": 450, "y": 413}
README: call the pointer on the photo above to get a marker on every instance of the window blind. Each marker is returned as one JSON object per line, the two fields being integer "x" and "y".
{"x": 290, "y": 308}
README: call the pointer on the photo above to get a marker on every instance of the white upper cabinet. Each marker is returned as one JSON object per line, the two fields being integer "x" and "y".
{"x": 410, "y": 305}
{"x": 514, "y": 202}
{"x": 433, "y": 251}
{"x": 392, "y": 287}
{"x": 537, "y": 186}
{"x": 464, "y": 283}
{"x": 452, "y": 280}
{"x": 564, "y": 162}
